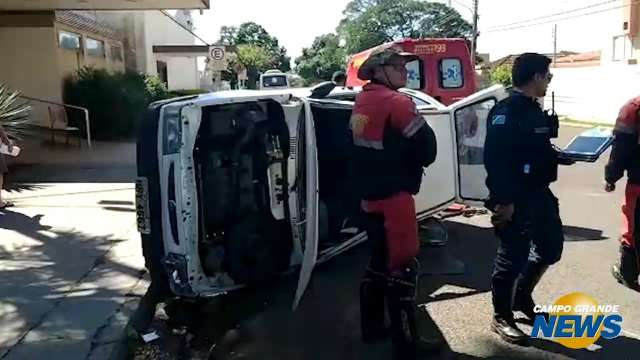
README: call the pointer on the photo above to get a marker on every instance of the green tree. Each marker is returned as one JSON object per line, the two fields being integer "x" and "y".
{"x": 228, "y": 35}
{"x": 250, "y": 33}
{"x": 255, "y": 36}
{"x": 369, "y": 23}
{"x": 253, "y": 58}
{"x": 501, "y": 75}
{"x": 322, "y": 59}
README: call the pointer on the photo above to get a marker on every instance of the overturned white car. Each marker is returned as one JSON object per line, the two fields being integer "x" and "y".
{"x": 238, "y": 187}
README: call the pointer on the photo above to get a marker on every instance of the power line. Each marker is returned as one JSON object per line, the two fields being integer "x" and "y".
{"x": 468, "y": 7}
{"x": 183, "y": 27}
{"x": 564, "y": 18}
{"x": 509, "y": 25}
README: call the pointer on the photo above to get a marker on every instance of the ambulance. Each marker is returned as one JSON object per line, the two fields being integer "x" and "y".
{"x": 444, "y": 69}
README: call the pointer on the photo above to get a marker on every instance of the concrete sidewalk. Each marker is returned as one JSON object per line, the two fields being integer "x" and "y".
{"x": 71, "y": 269}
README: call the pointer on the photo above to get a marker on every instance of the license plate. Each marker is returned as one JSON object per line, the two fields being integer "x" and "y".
{"x": 142, "y": 205}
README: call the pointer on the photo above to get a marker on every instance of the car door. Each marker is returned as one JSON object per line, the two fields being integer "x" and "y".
{"x": 469, "y": 124}
{"x": 308, "y": 217}
{"x": 438, "y": 187}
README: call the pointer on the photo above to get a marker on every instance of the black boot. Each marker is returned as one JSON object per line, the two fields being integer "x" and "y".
{"x": 626, "y": 270}
{"x": 503, "y": 323}
{"x": 507, "y": 329}
{"x": 523, "y": 300}
{"x": 372, "y": 322}
{"x": 407, "y": 343}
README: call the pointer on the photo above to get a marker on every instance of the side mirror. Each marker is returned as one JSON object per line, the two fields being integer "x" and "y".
{"x": 322, "y": 90}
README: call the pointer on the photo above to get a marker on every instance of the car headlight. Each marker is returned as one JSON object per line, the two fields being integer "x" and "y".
{"x": 172, "y": 129}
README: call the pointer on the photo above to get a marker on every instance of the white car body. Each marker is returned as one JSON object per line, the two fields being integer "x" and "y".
{"x": 446, "y": 181}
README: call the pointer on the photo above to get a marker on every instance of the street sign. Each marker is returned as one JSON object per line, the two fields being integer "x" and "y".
{"x": 217, "y": 58}
{"x": 216, "y": 53}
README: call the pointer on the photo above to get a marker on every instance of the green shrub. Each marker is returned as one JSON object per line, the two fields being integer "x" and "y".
{"x": 501, "y": 75}
{"x": 155, "y": 87}
{"x": 116, "y": 101}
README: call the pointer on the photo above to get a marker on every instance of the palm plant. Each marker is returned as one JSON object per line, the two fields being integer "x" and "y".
{"x": 14, "y": 114}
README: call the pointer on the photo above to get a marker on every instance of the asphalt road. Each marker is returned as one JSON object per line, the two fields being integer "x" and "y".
{"x": 457, "y": 307}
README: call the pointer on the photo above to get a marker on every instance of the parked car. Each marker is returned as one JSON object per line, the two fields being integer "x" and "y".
{"x": 273, "y": 80}
{"x": 235, "y": 188}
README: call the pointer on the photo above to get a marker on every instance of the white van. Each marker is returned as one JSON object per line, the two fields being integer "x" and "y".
{"x": 273, "y": 80}
{"x": 230, "y": 184}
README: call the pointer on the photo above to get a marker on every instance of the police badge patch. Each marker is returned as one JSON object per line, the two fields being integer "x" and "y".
{"x": 499, "y": 120}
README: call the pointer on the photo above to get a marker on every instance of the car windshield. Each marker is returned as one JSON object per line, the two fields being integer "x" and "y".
{"x": 274, "y": 80}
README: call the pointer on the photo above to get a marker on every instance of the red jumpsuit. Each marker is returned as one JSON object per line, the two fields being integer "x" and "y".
{"x": 625, "y": 156}
{"x": 392, "y": 146}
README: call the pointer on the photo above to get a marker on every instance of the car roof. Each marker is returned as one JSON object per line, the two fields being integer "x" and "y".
{"x": 281, "y": 95}
{"x": 413, "y": 93}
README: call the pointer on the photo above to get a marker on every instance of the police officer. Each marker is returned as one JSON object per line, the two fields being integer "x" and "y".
{"x": 625, "y": 155}
{"x": 521, "y": 162}
{"x": 392, "y": 146}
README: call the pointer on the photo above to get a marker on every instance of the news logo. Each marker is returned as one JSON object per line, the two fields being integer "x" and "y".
{"x": 577, "y": 321}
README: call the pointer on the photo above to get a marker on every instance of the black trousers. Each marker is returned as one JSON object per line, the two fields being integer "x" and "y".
{"x": 398, "y": 289}
{"x": 532, "y": 240}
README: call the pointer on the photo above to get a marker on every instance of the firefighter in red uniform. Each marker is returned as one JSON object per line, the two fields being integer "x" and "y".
{"x": 625, "y": 155}
{"x": 393, "y": 145}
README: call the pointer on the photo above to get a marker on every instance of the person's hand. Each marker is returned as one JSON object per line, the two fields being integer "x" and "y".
{"x": 609, "y": 187}
{"x": 502, "y": 215}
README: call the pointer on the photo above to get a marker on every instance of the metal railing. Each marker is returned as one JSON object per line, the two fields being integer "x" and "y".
{"x": 84, "y": 110}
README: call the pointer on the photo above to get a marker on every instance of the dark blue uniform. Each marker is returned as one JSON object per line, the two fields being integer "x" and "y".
{"x": 521, "y": 162}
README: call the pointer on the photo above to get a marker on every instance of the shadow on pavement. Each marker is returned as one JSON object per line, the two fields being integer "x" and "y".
{"x": 58, "y": 281}
{"x": 258, "y": 323}
{"x": 72, "y": 173}
{"x": 11, "y": 186}
{"x": 573, "y": 233}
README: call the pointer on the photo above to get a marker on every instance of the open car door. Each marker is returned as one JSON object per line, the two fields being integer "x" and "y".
{"x": 438, "y": 187}
{"x": 308, "y": 199}
{"x": 469, "y": 119}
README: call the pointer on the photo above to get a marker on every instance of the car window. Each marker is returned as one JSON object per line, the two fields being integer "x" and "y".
{"x": 271, "y": 81}
{"x": 419, "y": 102}
{"x": 451, "y": 76}
{"x": 415, "y": 75}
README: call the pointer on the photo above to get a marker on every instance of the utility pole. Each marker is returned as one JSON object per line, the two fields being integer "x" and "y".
{"x": 555, "y": 43}
{"x": 474, "y": 36}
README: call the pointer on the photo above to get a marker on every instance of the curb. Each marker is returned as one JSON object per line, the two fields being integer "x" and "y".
{"x": 584, "y": 124}
{"x": 121, "y": 348}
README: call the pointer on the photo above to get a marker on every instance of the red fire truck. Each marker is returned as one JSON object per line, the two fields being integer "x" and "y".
{"x": 444, "y": 70}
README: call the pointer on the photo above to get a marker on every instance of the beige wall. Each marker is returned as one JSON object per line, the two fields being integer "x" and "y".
{"x": 182, "y": 71}
{"x": 28, "y": 64}
{"x": 160, "y": 30}
{"x": 32, "y": 63}
{"x": 70, "y": 61}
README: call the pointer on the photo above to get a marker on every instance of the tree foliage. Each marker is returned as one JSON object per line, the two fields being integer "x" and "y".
{"x": 501, "y": 75}
{"x": 368, "y": 23}
{"x": 250, "y": 33}
{"x": 257, "y": 51}
{"x": 322, "y": 59}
